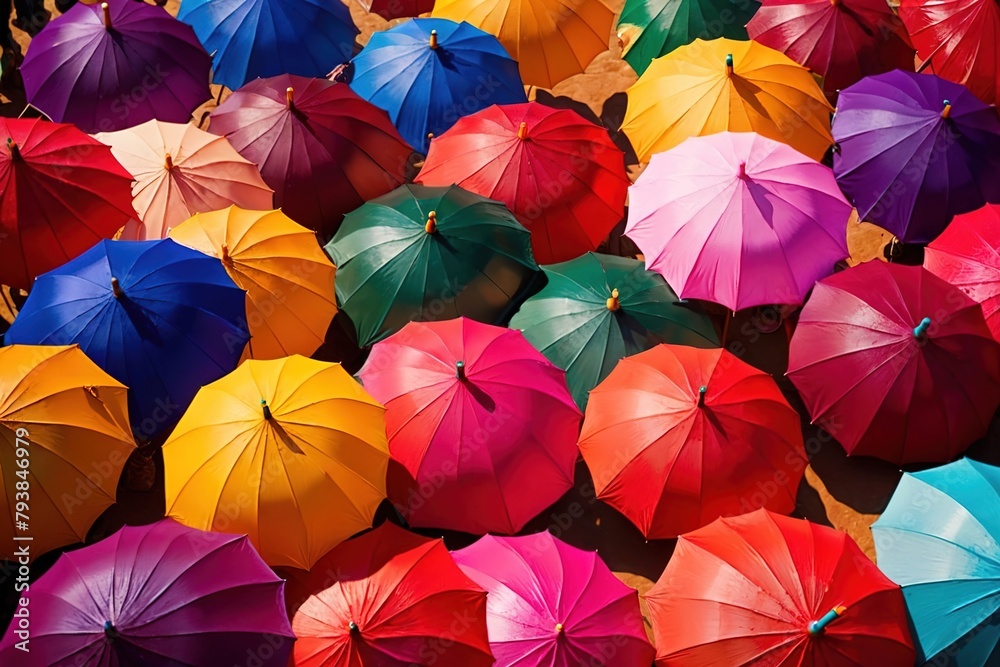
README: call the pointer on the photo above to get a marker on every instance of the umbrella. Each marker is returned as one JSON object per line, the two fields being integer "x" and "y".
{"x": 938, "y": 539}
{"x": 158, "y": 595}
{"x": 739, "y": 220}
{"x": 724, "y": 85}
{"x": 396, "y": 599}
{"x": 676, "y": 437}
{"x": 896, "y": 363}
{"x": 913, "y": 151}
{"x": 115, "y": 65}
{"x": 394, "y": 9}
{"x": 287, "y": 276}
{"x": 156, "y": 316}
{"x": 552, "y": 604}
{"x": 967, "y": 255}
{"x": 550, "y": 40}
{"x": 481, "y": 425}
{"x": 60, "y": 193}
{"x": 64, "y": 427}
{"x": 763, "y": 589}
{"x": 180, "y": 170}
{"x": 290, "y": 451}
{"x": 252, "y": 39}
{"x": 428, "y": 73}
{"x": 427, "y": 254}
{"x": 597, "y": 309}
{"x": 559, "y": 174}
{"x": 321, "y": 148}
{"x": 842, "y": 41}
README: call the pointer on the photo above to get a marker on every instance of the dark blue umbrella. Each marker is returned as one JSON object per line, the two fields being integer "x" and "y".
{"x": 157, "y": 316}
{"x": 428, "y": 73}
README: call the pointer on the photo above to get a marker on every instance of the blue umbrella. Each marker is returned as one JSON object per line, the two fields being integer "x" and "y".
{"x": 939, "y": 539}
{"x": 428, "y": 73}
{"x": 262, "y": 38}
{"x": 157, "y": 316}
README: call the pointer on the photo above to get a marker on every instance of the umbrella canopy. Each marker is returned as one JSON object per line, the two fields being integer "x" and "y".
{"x": 60, "y": 193}
{"x": 429, "y": 254}
{"x": 559, "y": 174}
{"x": 157, "y": 595}
{"x": 896, "y": 363}
{"x": 180, "y": 170}
{"x": 291, "y": 452}
{"x": 552, "y": 604}
{"x": 428, "y": 73}
{"x": 676, "y": 437}
{"x": 116, "y": 64}
{"x": 597, "y": 309}
{"x": 938, "y": 539}
{"x": 69, "y": 420}
{"x": 323, "y": 150}
{"x": 724, "y": 85}
{"x": 252, "y": 39}
{"x": 551, "y": 40}
{"x": 159, "y": 317}
{"x": 395, "y": 9}
{"x": 287, "y": 276}
{"x": 396, "y": 599}
{"x": 913, "y": 151}
{"x": 481, "y": 424}
{"x": 739, "y": 220}
{"x": 763, "y": 589}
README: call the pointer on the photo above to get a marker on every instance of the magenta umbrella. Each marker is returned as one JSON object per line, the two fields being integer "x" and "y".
{"x": 739, "y": 220}
{"x": 553, "y": 605}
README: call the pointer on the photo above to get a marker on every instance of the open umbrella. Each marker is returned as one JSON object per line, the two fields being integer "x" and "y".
{"x": 158, "y": 595}
{"x": 481, "y": 424}
{"x": 426, "y": 254}
{"x": 896, "y": 363}
{"x": 287, "y": 276}
{"x": 60, "y": 193}
{"x": 739, "y": 220}
{"x": 180, "y": 170}
{"x": 725, "y": 85}
{"x": 321, "y": 148}
{"x": 394, "y": 9}
{"x": 156, "y": 316}
{"x": 559, "y": 174}
{"x": 762, "y": 589}
{"x": 396, "y": 599}
{"x": 597, "y": 309}
{"x": 108, "y": 66}
{"x": 552, "y": 604}
{"x": 428, "y": 73}
{"x": 65, "y": 435}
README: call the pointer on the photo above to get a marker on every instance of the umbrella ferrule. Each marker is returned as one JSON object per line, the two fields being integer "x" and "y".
{"x": 116, "y": 288}
{"x": 431, "y": 225}
{"x": 353, "y": 628}
{"x": 15, "y": 150}
{"x": 946, "y": 110}
{"x": 460, "y": 370}
{"x": 559, "y": 628}
{"x": 168, "y": 162}
{"x": 743, "y": 171}
{"x": 817, "y": 627}
{"x": 266, "y": 408}
{"x": 613, "y": 302}
{"x": 522, "y": 131}
{"x": 434, "y": 39}
{"x": 290, "y": 97}
{"x": 729, "y": 64}
{"x": 109, "y": 630}
{"x": 107, "y": 15}
{"x": 702, "y": 390}
{"x": 921, "y": 329}
{"x": 226, "y": 257}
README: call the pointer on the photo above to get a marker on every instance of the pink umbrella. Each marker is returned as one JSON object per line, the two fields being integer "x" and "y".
{"x": 739, "y": 220}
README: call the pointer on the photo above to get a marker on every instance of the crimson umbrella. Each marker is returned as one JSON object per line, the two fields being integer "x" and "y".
{"x": 896, "y": 363}
{"x": 395, "y": 9}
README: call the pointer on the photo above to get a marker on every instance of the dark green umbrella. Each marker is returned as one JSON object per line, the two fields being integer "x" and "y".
{"x": 596, "y": 309}
{"x": 426, "y": 254}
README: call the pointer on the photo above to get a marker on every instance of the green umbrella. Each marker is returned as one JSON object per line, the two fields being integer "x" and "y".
{"x": 653, "y": 28}
{"x": 425, "y": 254}
{"x": 596, "y": 309}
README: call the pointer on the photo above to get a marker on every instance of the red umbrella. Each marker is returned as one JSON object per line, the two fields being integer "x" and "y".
{"x": 60, "y": 193}
{"x": 766, "y": 590}
{"x": 896, "y": 363}
{"x": 559, "y": 174}
{"x": 396, "y": 599}
{"x": 676, "y": 437}
{"x": 395, "y": 9}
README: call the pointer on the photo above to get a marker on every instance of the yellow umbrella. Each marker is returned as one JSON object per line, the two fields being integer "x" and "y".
{"x": 550, "y": 39}
{"x": 726, "y": 85}
{"x": 292, "y": 452}
{"x": 64, "y": 439}
{"x": 287, "y": 276}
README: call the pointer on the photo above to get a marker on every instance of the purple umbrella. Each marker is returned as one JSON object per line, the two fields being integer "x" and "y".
{"x": 158, "y": 595}
{"x": 914, "y": 150}
{"x": 116, "y": 65}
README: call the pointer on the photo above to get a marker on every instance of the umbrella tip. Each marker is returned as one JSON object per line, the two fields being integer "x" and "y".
{"x": 460, "y": 370}
{"x": 266, "y": 408}
{"x": 15, "y": 150}
{"x": 817, "y": 627}
{"x": 353, "y": 627}
{"x": 613, "y": 302}
{"x": 434, "y": 39}
{"x": 430, "y": 135}
{"x": 921, "y": 329}
{"x": 107, "y": 15}
{"x": 702, "y": 390}
{"x": 168, "y": 162}
{"x": 116, "y": 288}
{"x": 290, "y": 97}
{"x": 946, "y": 111}
{"x": 559, "y": 628}
{"x": 729, "y": 64}
{"x": 226, "y": 257}
{"x": 431, "y": 225}
{"x": 743, "y": 171}
{"x": 109, "y": 630}
{"x": 522, "y": 131}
